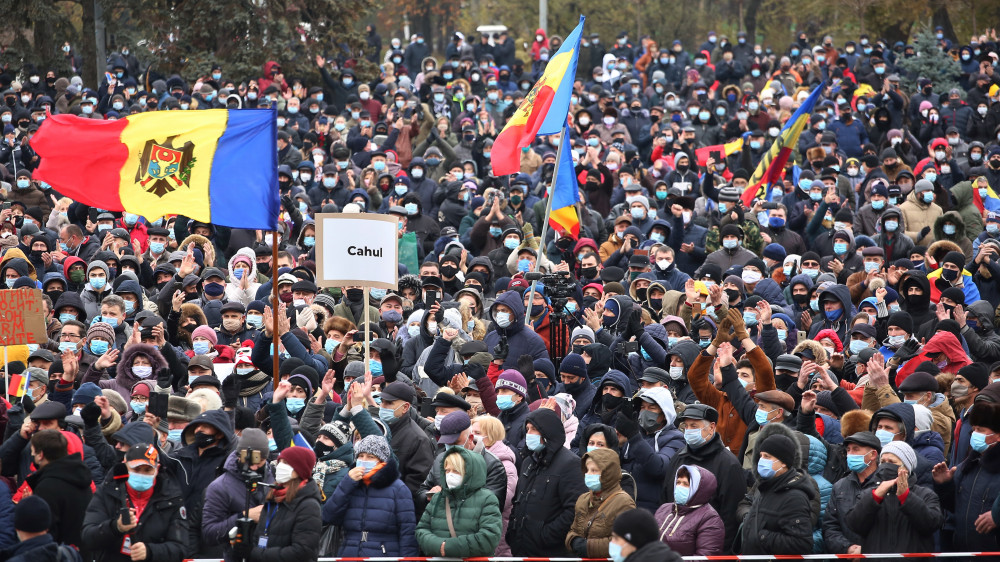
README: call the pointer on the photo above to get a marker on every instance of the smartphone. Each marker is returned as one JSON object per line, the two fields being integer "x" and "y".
{"x": 426, "y": 410}
{"x": 126, "y": 515}
{"x": 431, "y": 299}
{"x": 6, "y": 205}
{"x": 407, "y": 113}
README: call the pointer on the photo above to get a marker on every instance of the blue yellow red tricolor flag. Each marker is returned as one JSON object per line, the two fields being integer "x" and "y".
{"x": 988, "y": 201}
{"x": 565, "y": 194}
{"x": 544, "y": 109}
{"x": 771, "y": 166}
{"x": 217, "y": 165}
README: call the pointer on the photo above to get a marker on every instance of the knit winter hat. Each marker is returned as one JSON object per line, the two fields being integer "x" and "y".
{"x": 637, "y": 526}
{"x": 32, "y": 515}
{"x": 336, "y": 431}
{"x": 375, "y": 445}
{"x": 903, "y": 451}
{"x": 574, "y": 364}
{"x": 583, "y": 332}
{"x": 781, "y": 448}
{"x": 103, "y": 330}
{"x": 207, "y": 333}
{"x": 513, "y": 380}
{"x": 301, "y": 459}
{"x": 253, "y": 439}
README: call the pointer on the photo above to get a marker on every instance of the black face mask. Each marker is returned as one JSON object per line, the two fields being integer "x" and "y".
{"x": 732, "y": 294}
{"x": 448, "y": 270}
{"x": 801, "y": 299}
{"x": 915, "y": 300}
{"x": 54, "y": 295}
{"x": 611, "y": 402}
{"x": 577, "y": 386}
{"x": 264, "y": 268}
{"x": 322, "y": 449}
{"x": 656, "y": 303}
{"x": 588, "y": 272}
{"x": 202, "y": 440}
{"x": 355, "y": 294}
{"x": 641, "y": 293}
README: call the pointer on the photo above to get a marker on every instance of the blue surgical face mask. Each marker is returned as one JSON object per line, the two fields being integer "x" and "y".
{"x": 749, "y": 318}
{"x": 884, "y": 436}
{"x": 857, "y": 345}
{"x": 137, "y": 407}
{"x": 681, "y": 495}
{"x": 693, "y": 437}
{"x": 782, "y": 334}
{"x": 295, "y": 404}
{"x": 366, "y": 465}
{"x": 388, "y": 415}
{"x": 730, "y": 244}
{"x": 949, "y": 229}
{"x": 140, "y": 482}
{"x": 98, "y": 283}
{"x": 615, "y": 552}
{"x": 174, "y": 435}
{"x": 978, "y": 442}
{"x": 834, "y": 315}
{"x": 891, "y": 226}
{"x": 505, "y": 402}
{"x": 375, "y": 367}
{"x": 272, "y": 445}
{"x": 524, "y": 265}
{"x": 201, "y": 347}
{"x": 856, "y": 463}
{"x": 534, "y": 442}
{"x": 67, "y": 345}
{"x": 929, "y": 195}
{"x": 765, "y": 468}
{"x": 840, "y": 247}
{"x": 99, "y": 347}
{"x": 761, "y": 417}
{"x": 593, "y": 481}
{"x": 704, "y": 343}
{"x": 814, "y": 304}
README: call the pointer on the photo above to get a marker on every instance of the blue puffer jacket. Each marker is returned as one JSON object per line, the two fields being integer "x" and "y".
{"x": 520, "y": 341}
{"x": 378, "y": 519}
{"x": 815, "y": 467}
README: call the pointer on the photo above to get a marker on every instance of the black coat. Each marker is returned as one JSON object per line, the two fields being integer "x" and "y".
{"x": 163, "y": 525}
{"x": 414, "y": 450}
{"x": 654, "y": 551}
{"x": 780, "y": 516}
{"x": 293, "y": 534}
{"x": 549, "y": 484}
{"x": 39, "y": 549}
{"x": 891, "y": 526}
{"x": 64, "y": 484}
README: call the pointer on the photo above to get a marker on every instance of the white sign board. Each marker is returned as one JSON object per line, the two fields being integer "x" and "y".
{"x": 357, "y": 249}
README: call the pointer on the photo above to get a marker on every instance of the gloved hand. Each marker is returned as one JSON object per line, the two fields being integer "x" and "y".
{"x": 163, "y": 378}
{"x": 230, "y": 391}
{"x": 722, "y": 335}
{"x": 626, "y": 426}
{"x": 526, "y": 366}
{"x": 286, "y": 202}
{"x": 27, "y": 404}
{"x": 579, "y": 545}
{"x": 924, "y": 232}
{"x": 306, "y": 319}
{"x": 739, "y": 326}
{"x": 908, "y": 350}
{"x": 635, "y": 327}
{"x": 91, "y": 414}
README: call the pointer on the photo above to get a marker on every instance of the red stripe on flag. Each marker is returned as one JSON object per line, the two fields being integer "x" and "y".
{"x": 82, "y": 158}
{"x": 771, "y": 176}
{"x": 506, "y": 157}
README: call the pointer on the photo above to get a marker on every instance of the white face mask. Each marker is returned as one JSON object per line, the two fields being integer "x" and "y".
{"x": 453, "y": 480}
{"x": 283, "y": 473}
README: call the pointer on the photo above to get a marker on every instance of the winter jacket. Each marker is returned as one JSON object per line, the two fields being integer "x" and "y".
{"x": 413, "y": 449}
{"x": 983, "y": 341}
{"x": 919, "y": 215}
{"x": 647, "y": 456}
{"x": 65, "y": 485}
{"x": 125, "y": 379}
{"x": 495, "y": 481}
{"x": 729, "y": 477}
{"x": 199, "y": 470}
{"x": 843, "y": 295}
{"x": 294, "y": 532}
{"x": 895, "y": 523}
{"x": 225, "y": 501}
{"x": 900, "y": 245}
{"x": 475, "y": 513}
{"x": 815, "y": 466}
{"x": 780, "y": 517}
{"x": 694, "y": 528}
{"x": 548, "y": 487}
{"x": 971, "y": 492}
{"x": 163, "y": 524}
{"x": 377, "y": 517}
{"x": 960, "y": 237}
{"x": 40, "y": 549}
{"x": 596, "y": 511}
{"x": 845, "y": 494}
{"x": 520, "y": 341}
{"x": 654, "y": 551}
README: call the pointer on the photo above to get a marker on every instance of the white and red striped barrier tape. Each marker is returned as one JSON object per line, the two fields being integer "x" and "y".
{"x": 887, "y": 556}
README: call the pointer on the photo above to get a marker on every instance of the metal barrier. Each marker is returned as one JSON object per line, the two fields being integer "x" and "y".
{"x": 889, "y": 556}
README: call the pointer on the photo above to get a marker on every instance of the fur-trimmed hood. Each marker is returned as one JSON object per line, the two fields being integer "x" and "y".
{"x": 777, "y": 428}
{"x": 818, "y": 352}
{"x": 124, "y": 369}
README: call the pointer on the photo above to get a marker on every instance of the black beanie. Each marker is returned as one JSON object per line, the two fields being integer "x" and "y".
{"x": 954, "y": 294}
{"x": 32, "y": 515}
{"x": 957, "y": 258}
{"x": 810, "y": 256}
{"x": 637, "y": 527}
{"x": 779, "y": 447}
{"x": 901, "y": 320}
{"x": 977, "y": 374}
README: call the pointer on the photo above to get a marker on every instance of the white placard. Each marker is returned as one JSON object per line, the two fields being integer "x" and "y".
{"x": 357, "y": 249}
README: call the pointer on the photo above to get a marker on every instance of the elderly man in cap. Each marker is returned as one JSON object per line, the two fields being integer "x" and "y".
{"x": 862, "y": 449}
{"x": 921, "y": 388}
{"x": 455, "y": 431}
{"x": 409, "y": 442}
{"x": 704, "y": 448}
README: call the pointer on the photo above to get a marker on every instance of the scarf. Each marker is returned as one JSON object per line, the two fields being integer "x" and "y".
{"x": 253, "y": 383}
{"x": 367, "y": 478}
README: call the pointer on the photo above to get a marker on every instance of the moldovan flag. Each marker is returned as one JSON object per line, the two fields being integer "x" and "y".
{"x": 565, "y": 193}
{"x": 216, "y": 165}
{"x": 18, "y": 385}
{"x": 772, "y": 165}
{"x": 544, "y": 109}
{"x": 716, "y": 150}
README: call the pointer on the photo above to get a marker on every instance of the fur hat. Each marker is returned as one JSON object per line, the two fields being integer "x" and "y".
{"x": 855, "y": 421}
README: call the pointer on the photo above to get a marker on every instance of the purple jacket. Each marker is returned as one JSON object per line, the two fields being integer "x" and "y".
{"x": 695, "y": 528}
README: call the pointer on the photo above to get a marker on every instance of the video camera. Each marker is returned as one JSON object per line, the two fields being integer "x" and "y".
{"x": 559, "y": 286}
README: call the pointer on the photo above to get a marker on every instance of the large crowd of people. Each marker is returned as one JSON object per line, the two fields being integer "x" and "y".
{"x": 815, "y": 373}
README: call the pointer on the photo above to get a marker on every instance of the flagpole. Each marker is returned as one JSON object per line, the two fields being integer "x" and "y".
{"x": 545, "y": 224}
{"x": 275, "y": 338}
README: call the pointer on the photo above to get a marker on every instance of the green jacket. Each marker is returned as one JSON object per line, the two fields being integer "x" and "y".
{"x": 475, "y": 513}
